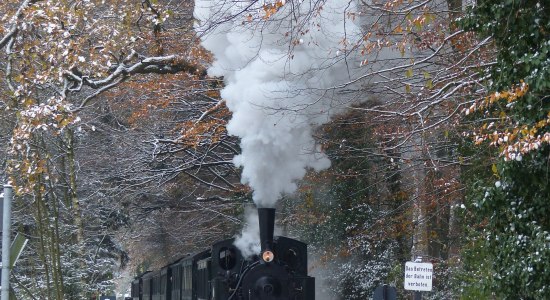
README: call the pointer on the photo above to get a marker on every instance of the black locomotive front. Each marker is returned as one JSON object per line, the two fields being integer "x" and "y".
{"x": 279, "y": 272}
{"x": 222, "y": 273}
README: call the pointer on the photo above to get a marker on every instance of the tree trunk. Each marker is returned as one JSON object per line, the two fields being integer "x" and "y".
{"x": 415, "y": 175}
{"x": 42, "y": 236}
{"x": 75, "y": 204}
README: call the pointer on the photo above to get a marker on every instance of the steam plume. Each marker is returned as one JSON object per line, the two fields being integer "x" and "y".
{"x": 279, "y": 73}
{"x": 249, "y": 239}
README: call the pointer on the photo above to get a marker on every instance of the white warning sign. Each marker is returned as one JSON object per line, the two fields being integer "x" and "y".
{"x": 418, "y": 276}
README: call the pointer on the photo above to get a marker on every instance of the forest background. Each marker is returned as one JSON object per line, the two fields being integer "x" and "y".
{"x": 114, "y": 137}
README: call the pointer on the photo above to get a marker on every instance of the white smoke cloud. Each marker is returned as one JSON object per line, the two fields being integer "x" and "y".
{"x": 249, "y": 239}
{"x": 279, "y": 74}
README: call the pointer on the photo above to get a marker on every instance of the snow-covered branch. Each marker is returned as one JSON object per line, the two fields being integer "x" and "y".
{"x": 12, "y": 31}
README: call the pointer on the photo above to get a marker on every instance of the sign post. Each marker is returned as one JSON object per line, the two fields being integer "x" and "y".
{"x": 6, "y": 229}
{"x": 418, "y": 276}
{"x": 385, "y": 292}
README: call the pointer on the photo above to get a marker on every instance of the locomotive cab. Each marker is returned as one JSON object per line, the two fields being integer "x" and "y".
{"x": 227, "y": 263}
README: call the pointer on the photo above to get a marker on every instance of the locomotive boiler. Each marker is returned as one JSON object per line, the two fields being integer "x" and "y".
{"x": 279, "y": 272}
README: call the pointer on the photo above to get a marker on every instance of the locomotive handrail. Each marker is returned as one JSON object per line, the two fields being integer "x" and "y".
{"x": 241, "y": 278}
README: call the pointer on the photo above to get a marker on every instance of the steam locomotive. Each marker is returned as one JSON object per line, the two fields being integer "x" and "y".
{"x": 222, "y": 273}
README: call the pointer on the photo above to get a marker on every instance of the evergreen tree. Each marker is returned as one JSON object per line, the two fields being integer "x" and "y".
{"x": 512, "y": 203}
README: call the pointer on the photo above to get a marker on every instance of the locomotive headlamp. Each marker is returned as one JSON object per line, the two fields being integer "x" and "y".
{"x": 268, "y": 256}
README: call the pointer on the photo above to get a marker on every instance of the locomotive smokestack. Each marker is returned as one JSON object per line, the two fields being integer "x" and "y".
{"x": 266, "y": 217}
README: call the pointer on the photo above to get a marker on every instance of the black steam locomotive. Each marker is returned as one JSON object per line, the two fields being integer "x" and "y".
{"x": 221, "y": 273}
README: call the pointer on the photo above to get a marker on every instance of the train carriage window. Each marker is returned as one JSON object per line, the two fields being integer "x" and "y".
{"x": 176, "y": 273}
{"x": 227, "y": 258}
{"x": 190, "y": 278}
{"x": 184, "y": 278}
{"x": 187, "y": 278}
{"x": 146, "y": 289}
